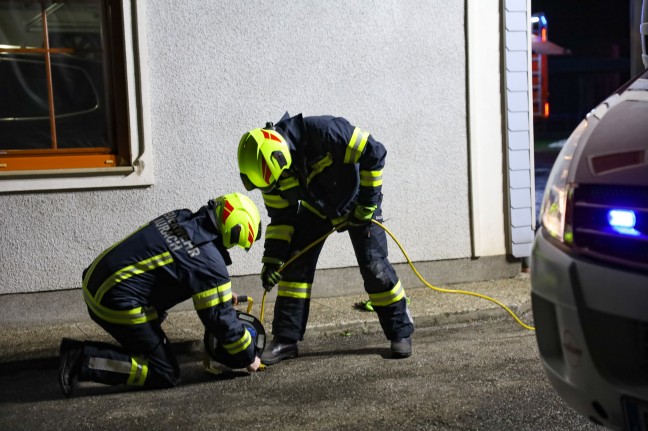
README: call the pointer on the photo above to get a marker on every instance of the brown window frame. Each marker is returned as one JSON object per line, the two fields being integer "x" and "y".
{"x": 56, "y": 158}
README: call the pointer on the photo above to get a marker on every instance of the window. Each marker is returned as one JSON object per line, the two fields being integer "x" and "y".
{"x": 71, "y": 100}
{"x": 60, "y": 67}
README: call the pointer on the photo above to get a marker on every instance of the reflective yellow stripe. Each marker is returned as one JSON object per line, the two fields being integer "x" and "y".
{"x": 288, "y": 183}
{"x": 362, "y": 212}
{"x": 240, "y": 345}
{"x": 138, "y": 371}
{"x": 282, "y": 232}
{"x": 371, "y": 178}
{"x": 387, "y": 298}
{"x": 292, "y": 289}
{"x": 270, "y": 259}
{"x": 128, "y": 272}
{"x": 313, "y": 210}
{"x": 134, "y": 316}
{"x": 320, "y": 166}
{"x": 105, "y": 252}
{"x": 356, "y": 145}
{"x": 337, "y": 220}
{"x": 212, "y": 297}
{"x": 275, "y": 201}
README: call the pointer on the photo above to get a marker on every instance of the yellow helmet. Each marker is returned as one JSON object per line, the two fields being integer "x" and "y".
{"x": 263, "y": 155}
{"x": 238, "y": 220}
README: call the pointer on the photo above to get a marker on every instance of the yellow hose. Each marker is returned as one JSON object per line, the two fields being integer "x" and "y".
{"x": 439, "y": 289}
{"x": 409, "y": 261}
{"x": 291, "y": 260}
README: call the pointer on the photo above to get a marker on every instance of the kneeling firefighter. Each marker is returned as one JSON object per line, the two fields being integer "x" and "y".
{"x": 177, "y": 256}
{"x": 315, "y": 174}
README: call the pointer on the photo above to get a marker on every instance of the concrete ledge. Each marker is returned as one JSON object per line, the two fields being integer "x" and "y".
{"x": 66, "y": 306}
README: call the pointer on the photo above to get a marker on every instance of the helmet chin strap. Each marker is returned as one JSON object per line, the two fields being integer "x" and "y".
{"x": 212, "y": 213}
{"x": 235, "y": 234}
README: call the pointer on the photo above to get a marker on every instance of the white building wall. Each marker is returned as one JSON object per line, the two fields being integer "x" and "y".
{"x": 217, "y": 69}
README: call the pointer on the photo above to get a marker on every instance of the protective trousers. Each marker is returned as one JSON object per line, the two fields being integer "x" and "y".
{"x": 145, "y": 358}
{"x": 380, "y": 279}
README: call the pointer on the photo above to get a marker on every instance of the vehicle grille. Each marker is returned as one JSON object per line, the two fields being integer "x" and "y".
{"x": 619, "y": 347}
{"x": 592, "y": 234}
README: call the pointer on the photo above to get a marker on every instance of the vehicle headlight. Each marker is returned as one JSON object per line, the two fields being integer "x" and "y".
{"x": 554, "y": 202}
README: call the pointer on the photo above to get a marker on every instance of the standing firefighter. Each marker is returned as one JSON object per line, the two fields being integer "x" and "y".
{"x": 128, "y": 288}
{"x": 317, "y": 173}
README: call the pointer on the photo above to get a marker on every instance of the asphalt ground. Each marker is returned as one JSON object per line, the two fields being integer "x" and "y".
{"x": 37, "y": 346}
{"x": 479, "y": 375}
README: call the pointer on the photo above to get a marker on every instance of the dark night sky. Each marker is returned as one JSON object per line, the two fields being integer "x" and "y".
{"x": 588, "y": 28}
{"x": 598, "y": 34}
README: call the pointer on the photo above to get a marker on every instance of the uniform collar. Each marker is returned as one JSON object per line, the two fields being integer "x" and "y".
{"x": 293, "y": 130}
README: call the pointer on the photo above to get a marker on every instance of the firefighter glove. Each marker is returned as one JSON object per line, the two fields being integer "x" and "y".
{"x": 270, "y": 275}
{"x": 361, "y": 215}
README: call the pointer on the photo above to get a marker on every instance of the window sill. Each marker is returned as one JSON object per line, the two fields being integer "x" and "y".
{"x": 67, "y": 179}
{"x": 52, "y": 173}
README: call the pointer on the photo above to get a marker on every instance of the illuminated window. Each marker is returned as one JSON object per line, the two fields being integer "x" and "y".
{"x": 62, "y": 79}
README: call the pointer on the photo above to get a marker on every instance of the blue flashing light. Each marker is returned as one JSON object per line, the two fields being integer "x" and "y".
{"x": 543, "y": 20}
{"x": 623, "y": 222}
{"x": 622, "y": 218}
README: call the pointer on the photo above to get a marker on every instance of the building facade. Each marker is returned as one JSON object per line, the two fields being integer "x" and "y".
{"x": 443, "y": 85}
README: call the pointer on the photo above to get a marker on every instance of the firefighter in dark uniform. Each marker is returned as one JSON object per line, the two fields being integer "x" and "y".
{"x": 316, "y": 173}
{"x": 128, "y": 288}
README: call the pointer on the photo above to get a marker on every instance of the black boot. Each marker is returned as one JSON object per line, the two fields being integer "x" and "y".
{"x": 69, "y": 364}
{"x": 401, "y": 347}
{"x": 278, "y": 350}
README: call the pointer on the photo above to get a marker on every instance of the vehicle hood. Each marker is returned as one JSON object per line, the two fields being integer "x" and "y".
{"x": 615, "y": 152}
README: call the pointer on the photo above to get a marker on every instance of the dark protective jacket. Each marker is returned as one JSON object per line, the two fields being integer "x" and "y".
{"x": 336, "y": 166}
{"x": 177, "y": 256}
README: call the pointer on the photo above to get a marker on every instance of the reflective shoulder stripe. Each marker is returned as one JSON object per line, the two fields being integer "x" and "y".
{"x": 275, "y": 201}
{"x": 239, "y": 345}
{"x": 355, "y": 146}
{"x": 371, "y": 178}
{"x": 138, "y": 371}
{"x": 312, "y": 209}
{"x": 282, "y": 232}
{"x": 212, "y": 297}
{"x": 132, "y": 270}
{"x": 292, "y": 289}
{"x": 392, "y": 296}
{"x": 134, "y": 316}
